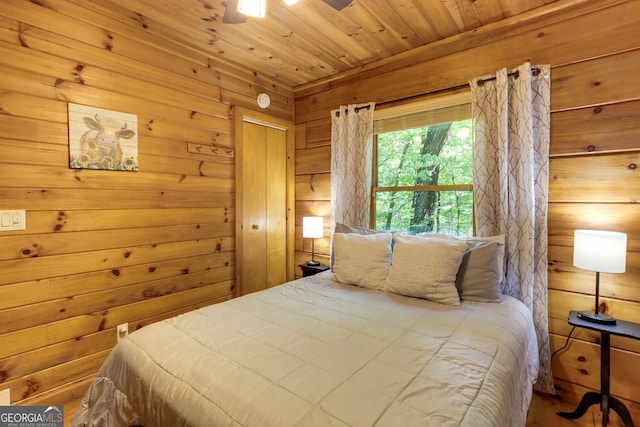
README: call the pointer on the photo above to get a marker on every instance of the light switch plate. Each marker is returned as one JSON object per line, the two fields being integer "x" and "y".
{"x": 13, "y": 220}
{"x": 5, "y": 397}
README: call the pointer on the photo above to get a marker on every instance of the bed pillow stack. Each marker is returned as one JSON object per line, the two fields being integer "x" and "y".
{"x": 481, "y": 271}
{"x": 437, "y": 267}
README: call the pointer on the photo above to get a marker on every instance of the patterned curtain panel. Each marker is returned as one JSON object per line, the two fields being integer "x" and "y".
{"x": 351, "y": 157}
{"x": 511, "y": 113}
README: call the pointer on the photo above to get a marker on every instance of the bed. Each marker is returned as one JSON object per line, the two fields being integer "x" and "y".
{"x": 318, "y": 352}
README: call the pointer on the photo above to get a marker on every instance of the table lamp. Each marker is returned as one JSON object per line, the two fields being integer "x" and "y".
{"x": 602, "y": 252}
{"x": 312, "y": 229}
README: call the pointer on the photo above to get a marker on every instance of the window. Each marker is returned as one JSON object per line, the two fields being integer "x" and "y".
{"x": 422, "y": 176}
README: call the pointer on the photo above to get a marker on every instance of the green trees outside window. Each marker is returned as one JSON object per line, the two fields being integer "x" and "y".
{"x": 424, "y": 179}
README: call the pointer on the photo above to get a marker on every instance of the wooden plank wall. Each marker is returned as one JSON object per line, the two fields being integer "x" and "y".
{"x": 594, "y": 48}
{"x": 105, "y": 247}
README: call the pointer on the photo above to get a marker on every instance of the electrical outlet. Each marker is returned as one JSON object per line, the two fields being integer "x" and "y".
{"x": 5, "y": 397}
{"x": 122, "y": 330}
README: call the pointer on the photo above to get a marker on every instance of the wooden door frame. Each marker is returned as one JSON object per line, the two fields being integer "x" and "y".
{"x": 242, "y": 115}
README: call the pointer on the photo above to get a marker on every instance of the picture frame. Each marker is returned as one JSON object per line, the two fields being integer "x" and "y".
{"x": 102, "y": 139}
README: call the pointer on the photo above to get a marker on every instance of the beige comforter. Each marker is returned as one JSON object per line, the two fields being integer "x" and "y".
{"x": 314, "y": 352}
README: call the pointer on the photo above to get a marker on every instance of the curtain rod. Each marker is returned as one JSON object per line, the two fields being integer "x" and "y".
{"x": 534, "y": 70}
{"x": 364, "y": 107}
{"x": 422, "y": 95}
{"x": 412, "y": 97}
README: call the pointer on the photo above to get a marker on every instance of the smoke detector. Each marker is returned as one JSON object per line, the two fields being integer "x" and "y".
{"x": 263, "y": 100}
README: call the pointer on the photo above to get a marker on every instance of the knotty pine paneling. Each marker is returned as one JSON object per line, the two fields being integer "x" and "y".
{"x": 313, "y": 187}
{"x": 103, "y": 248}
{"x": 301, "y": 135}
{"x": 596, "y": 82}
{"x": 565, "y": 217}
{"x": 50, "y": 311}
{"x": 589, "y": 178}
{"x": 593, "y": 49}
{"x": 589, "y": 130}
{"x": 314, "y": 160}
{"x": 552, "y": 38}
{"x": 15, "y": 295}
{"x": 318, "y": 133}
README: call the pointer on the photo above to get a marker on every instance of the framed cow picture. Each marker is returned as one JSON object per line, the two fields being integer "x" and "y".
{"x": 102, "y": 139}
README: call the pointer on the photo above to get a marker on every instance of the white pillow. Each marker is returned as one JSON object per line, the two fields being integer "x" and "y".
{"x": 343, "y": 228}
{"x": 481, "y": 272}
{"x": 362, "y": 260}
{"x": 425, "y": 268}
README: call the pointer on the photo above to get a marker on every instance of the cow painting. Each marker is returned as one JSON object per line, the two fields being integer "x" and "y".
{"x": 102, "y": 141}
{"x": 105, "y": 141}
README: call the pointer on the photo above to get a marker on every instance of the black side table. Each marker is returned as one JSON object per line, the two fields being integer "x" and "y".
{"x": 310, "y": 270}
{"x": 606, "y": 401}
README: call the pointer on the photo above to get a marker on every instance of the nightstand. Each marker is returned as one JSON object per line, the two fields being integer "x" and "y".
{"x": 310, "y": 270}
{"x": 606, "y": 401}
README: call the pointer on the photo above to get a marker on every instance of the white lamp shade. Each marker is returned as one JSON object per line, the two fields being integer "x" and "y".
{"x": 602, "y": 251}
{"x": 255, "y": 8}
{"x": 312, "y": 227}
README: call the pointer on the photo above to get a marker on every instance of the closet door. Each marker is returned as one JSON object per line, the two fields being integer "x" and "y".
{"x": 254, "y": 196}
{"x": 263, "y": 168}
{"x": 276, "y": 206}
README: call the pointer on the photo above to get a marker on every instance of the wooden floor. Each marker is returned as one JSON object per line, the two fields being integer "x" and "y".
{"x": 542, "y": 413}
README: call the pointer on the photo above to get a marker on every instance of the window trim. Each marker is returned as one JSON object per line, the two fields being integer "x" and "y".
{"x": 443, "y": 187}
{"x": 427, "y": 102}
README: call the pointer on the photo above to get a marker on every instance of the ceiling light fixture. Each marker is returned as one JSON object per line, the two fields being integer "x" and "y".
{"x": 255, "y": 8}
{"x": 237, "y": 11}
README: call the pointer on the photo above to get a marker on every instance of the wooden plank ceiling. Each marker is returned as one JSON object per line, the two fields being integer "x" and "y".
{"x": 310, "y": 41}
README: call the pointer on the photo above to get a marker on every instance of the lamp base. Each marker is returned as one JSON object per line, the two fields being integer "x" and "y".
{"x": 313, "y": 263}
{"x": 591, "y": 316}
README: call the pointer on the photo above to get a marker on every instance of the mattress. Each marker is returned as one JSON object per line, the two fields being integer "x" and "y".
{"x": 314, "y": 352}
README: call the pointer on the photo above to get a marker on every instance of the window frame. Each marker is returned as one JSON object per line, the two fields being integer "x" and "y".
{"x": 426, "y": 104}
